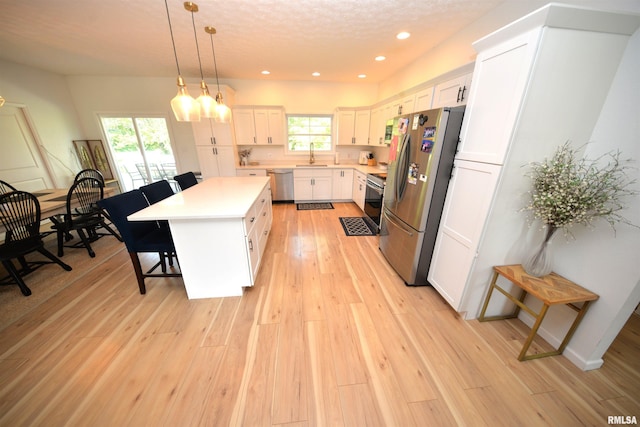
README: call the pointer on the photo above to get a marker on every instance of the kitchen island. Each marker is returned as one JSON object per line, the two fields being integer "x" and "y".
{"x": 220, "y": 228}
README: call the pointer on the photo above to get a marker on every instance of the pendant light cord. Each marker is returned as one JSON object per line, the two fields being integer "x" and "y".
{"x": 215, "y": 65}
{"x": 193, "y": 22}
{"x": 173, "y": 43}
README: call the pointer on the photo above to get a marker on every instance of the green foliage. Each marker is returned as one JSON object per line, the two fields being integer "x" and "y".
{"x": 122, "y": 134}
{"x": 571, "y": 190}
{"x": 304, "y": 130}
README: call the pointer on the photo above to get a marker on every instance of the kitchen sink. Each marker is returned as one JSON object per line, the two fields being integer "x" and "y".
{"x": 309, "y": 165}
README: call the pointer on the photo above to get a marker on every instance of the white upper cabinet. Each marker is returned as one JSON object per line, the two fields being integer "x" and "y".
{"x": 259, "y": 126}
{"x": 453, "y": 92}
{"x": 424, "y": 99}
{"x": 353, "y": 126}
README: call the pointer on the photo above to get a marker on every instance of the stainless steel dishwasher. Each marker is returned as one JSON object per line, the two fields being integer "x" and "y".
{"x": 281, "y": 184}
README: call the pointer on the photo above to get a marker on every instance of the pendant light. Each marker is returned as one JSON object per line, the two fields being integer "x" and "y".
{"x": 184, "y": 107}
{"x": 207, "y": 103}
{"x": 223, "y": 113}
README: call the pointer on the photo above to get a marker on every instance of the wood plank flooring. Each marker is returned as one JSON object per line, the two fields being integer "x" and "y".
{"x": 329, "y": 336}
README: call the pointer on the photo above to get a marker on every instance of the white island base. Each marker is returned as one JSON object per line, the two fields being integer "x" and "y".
{"x": 220, "y": 228}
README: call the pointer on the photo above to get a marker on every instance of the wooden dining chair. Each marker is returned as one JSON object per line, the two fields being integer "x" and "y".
{"x": 140, "y": 236}
{"x": 84, "y": 218}
{"x": 186, "y": 180}
{"x": 20, "y": 217}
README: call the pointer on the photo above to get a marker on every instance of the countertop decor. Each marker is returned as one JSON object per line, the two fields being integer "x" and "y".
{"x": 570, "y": 189}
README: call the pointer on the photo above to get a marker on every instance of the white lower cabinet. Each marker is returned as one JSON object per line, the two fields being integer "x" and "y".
{"x": 342, "y": 185}
{"x": 312, "y": 184}
{"x": 359, "y": 189}
{"x": 257, "y": 225}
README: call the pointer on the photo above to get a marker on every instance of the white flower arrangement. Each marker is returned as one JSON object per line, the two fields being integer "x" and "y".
{"x": 245, "y": 153}
{"x": 568, "y": 189}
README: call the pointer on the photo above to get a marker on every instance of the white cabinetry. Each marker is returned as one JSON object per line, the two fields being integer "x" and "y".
{"x": 259, "y": 126}
{"x": 377, "y": 126}
{"x": 312, "y": 184}
{"x": 359, "y": 188}
{"x": 424, "y": 99}
{"x": 522, "y": 106}
{"x": 453, "y": 92}
{"x": 342, "y": 185}
{"x": 257, "y": 224}
{"x": 214, "y": 147}
{"x": 251, "y": 172}
{"x": 353, "y": 126}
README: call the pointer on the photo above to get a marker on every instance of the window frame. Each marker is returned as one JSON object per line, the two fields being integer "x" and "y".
{"x": 332, "y": 150}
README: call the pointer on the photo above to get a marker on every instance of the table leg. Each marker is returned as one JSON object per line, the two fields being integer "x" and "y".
{"x": 486, "y": 300}
{"x": 574, "y": 326}
{"x": 534, "y": 331}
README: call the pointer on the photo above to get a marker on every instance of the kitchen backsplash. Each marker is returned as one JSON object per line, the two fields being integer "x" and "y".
{"x": 347, "y": 154}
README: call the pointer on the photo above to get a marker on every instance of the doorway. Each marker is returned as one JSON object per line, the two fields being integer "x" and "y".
{"x": 140, "y": 148}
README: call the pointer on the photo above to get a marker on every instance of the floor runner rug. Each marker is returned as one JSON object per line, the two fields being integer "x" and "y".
{"x": 358, "y": 226}
{"x": 313, "y": 206}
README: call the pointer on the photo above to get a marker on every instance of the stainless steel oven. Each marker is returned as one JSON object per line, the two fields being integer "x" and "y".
{"x": 373, "y": 196}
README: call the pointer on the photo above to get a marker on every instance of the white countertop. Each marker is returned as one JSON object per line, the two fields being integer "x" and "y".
{"x": 222, "y": 197}
{"x": 355, "y": 166}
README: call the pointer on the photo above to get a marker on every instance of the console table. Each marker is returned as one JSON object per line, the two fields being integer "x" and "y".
{"x": 551, "y": 289}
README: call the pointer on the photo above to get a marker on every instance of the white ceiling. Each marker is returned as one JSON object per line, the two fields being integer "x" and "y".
{"x": 290, "y": 38}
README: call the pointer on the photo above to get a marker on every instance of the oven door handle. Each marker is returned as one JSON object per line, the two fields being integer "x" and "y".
{"x": 400, "y": 226}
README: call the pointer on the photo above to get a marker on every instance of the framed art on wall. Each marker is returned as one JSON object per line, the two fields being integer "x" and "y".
{"x": 84, "y": 154}
{"x": 100, "y": 159}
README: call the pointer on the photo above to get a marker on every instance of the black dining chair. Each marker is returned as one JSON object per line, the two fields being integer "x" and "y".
{"x": 20, "y": 217}
{"x": 5, "y": 187}
{"x": 83, "y": 218}
{"x": 90, "y": 173}
{"x": 186, "y": 180}
{"x": 139, "y": 236}
{"x": 157, "y": 191}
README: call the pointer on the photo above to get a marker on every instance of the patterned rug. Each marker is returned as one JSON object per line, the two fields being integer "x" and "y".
{"x": 313, "y": 206}
{"x": 358, "y": 226}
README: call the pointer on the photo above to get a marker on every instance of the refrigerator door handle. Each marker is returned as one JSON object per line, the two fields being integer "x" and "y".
{"x": 400, "y": 226}
{"x": 402, "y": 168}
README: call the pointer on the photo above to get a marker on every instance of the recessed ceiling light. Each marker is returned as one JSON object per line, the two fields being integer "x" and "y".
{"x": 403, "y": 35}
{"x": 380, "y": 58}
{"x": 266, "y": 72}
{"x": 362, "y": 76}
{"x": 315, "y": 74}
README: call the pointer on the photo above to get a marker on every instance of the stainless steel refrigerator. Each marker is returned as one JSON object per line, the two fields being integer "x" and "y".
{"x": 421, "y": 153}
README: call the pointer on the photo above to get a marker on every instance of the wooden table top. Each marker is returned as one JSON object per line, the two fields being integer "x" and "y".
{"x": 552, "y": 289}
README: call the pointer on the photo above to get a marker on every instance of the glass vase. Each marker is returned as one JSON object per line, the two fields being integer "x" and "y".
{"x": 538, "y": 263}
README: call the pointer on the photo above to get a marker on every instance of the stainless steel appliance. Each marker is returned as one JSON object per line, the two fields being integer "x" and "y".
{"x": 373, "y": 196}
{"x": 421, "y": 155}
{"x": 281, "y": 184}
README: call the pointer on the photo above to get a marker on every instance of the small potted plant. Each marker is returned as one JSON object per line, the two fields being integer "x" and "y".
{"x": 568, "y": 189}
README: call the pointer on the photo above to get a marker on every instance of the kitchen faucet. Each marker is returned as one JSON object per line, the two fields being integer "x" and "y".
{"x": 312, "y": 158}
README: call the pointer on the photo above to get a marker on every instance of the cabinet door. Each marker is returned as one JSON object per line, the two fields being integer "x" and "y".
{"x": 408, "y": 104}
{"x": 244, "y": 126}
{"x": 302, "y": 188}
{"x": 221, "y": 133}
{"x": 361, "y": 127}
{"x": 346, "y": 127}
{"x": 208, "y": 161}
{"x": 342, "y": 184}
{"x": 424, "y": 99}
{"x": 322, "y": 188}
{"x": 359, "y": 189}
{"x": 277, "y": 127}
{"x": 465, "y": 212}
{"x": 203, "y": 132}
{"x": 261, "y": 120}
{"x": 377, "y": 127}
{"x": 452, "y": 92}
{"x": 501, "y": 76}
{"x": 226, "y": 161}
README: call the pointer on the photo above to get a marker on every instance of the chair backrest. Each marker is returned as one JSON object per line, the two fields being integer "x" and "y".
{"x": 186, "y": 180}
{"x": 90, "y": 173}
{"x": 20, "y": 216}
{"x": 86, "y": 192}
{"x": 120, "y": 207}
{"x": 157, "y": 191}
{"x": 5, "y": 187}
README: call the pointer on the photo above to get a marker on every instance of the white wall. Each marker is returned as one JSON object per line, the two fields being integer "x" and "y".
{"x": 51, "y": 112}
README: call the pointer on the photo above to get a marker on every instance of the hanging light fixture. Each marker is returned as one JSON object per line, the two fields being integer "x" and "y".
{"x": 207, "y": 103}
{"x": 185, "y": 108}
{"x": 223, "y": 113}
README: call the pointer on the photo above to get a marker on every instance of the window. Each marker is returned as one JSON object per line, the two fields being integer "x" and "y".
{"x": 303, "y": 130}
{"x": 140, "y": 148}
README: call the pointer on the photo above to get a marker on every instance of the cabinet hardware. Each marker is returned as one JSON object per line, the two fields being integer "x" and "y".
{"x": 458, "y": 99}
{"x": 254, "y": 140}
{"x": 464, "y": 88}
{"x": 250, "y": 245}
{"x": 253, "y": 218}
{"x": 213, "y": 141}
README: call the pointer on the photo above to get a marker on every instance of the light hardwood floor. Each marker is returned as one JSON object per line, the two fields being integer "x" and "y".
{"x": 329, "y": 336}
